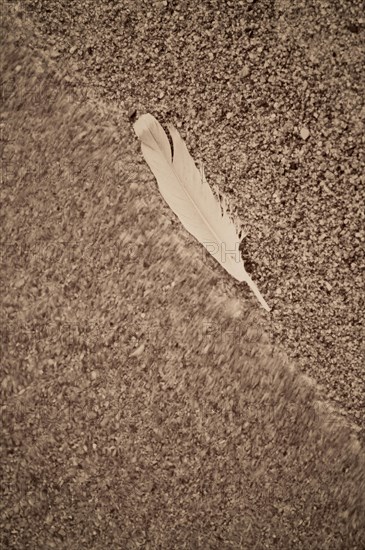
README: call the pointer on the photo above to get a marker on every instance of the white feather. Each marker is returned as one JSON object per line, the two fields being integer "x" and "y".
{"x": 188, "y": 194}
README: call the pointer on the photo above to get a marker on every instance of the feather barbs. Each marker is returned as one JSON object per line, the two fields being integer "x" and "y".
{"x": 188, "y": 194}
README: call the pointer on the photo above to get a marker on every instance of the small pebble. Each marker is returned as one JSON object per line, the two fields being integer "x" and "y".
{"x": 304, "y": 133}
{"x": 245, "y": 71}
{"x": 138, "y": 351}
{"x": 54, "y": 53}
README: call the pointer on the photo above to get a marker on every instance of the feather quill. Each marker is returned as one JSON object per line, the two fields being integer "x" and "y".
{"x": 188, "y": 194}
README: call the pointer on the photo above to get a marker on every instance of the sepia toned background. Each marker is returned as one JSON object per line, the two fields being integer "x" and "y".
{"x": 147, "y": 401}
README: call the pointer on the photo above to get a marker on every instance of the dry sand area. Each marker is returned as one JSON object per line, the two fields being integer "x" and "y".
{"x": 147, "y": 402}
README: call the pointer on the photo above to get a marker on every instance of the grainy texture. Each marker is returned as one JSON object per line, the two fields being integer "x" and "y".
{"x": 143, "y": 402}
{"x": 270, "y": 95}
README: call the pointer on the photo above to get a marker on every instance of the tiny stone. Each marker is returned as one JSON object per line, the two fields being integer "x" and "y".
{"x": 304, "y": 133}
{"x": 245, "y": 71}
{"x": 72, "y": 49}
{"x": 277, "y": 198}
{"x": 19, "y": 283}
{"x": 138, "y": 351}
{"x": 54, "y": 53}
{"x": 352, "y": 27}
